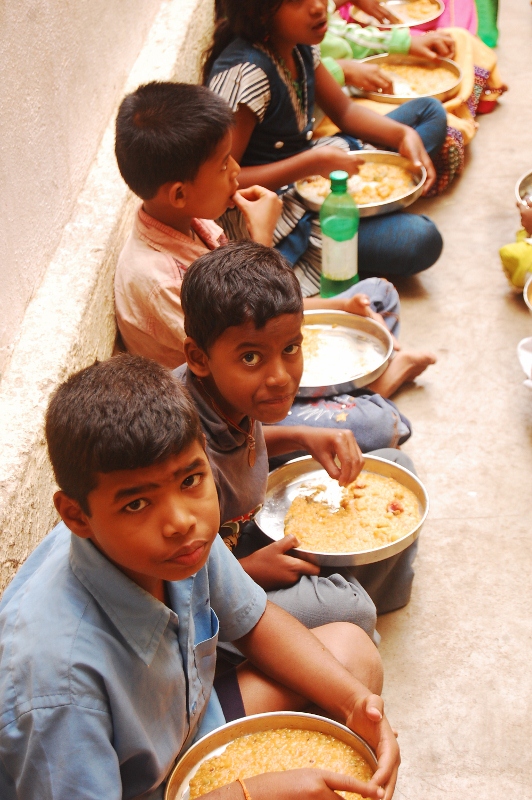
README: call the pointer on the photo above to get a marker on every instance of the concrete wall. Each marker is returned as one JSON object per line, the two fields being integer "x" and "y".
{"x": 69, "y": 320}
{"x": 63, "y": 66}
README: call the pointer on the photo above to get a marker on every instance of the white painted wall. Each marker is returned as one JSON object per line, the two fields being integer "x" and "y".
{"x": 69, "y": 320}
{"x": 63, "y": 65}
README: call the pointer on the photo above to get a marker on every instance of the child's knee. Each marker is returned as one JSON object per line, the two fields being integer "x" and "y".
{"x": 428, "y": 243}
{"x": 353, "y": 648}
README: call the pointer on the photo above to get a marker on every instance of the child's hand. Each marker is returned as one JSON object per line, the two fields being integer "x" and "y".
{"x": 318, "y": 784}
{"x": 375, "y": 9}
{"x": 329, "y": 158}
{"x": 326, "y": 444}
{"x": 525, "y": 208}
{"x": 366, "y": 76}
{"x": 271, "y": 568}
{"x": 413, "y": 148}
{"x": 261, "y": 209}
{"x": 360, "y": 304}
{"x": 433, "y": 44}
{"x": 368, "y": 720}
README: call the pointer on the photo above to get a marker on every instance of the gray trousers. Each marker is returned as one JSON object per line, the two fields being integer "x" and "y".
{"x": 389, "y": 582}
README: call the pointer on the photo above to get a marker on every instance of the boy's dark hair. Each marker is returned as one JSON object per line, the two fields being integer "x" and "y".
{"x": 249, "y": 19}
{"x": 236, "y": 283}
{"x": 124, "y": 413}
{"x": 165, "y": 132}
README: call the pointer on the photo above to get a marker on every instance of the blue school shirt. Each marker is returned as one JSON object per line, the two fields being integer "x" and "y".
{"x": 101, "y": 685}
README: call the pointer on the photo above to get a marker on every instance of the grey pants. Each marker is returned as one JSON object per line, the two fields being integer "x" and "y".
{"x": 389, "y": 582}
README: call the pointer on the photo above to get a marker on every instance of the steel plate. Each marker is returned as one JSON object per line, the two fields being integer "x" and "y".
{"x": 414, "y": 61}
{"x": 363, "y": 349}
{"x": 284, "y": 484}
{"x": 419, "y": 175}
{"x": 523, "y": 188}
{"x": 527, "y": 293}
{"x": 395, "y": 5}
{"x": 177, "y": 787}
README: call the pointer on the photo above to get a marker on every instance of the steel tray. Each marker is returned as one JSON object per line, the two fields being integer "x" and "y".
{"x": 523, "y": 188}
{"x": 355, "y": 339}
{"x": 419, "y": 175}
{"x": 414, "y": 61}
{"x": 284, "y": 484}
{"x": 395, "y": 5}
{"x": 527, "y": 294}
{"x": 177, "y": 787}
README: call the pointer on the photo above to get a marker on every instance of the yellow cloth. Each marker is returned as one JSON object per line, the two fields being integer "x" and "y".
{"x": 470, "y": 52}
{"x": 517, "y": 260}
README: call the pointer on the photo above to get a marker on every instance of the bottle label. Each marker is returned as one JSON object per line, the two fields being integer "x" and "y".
{"x": 339, "y": 260}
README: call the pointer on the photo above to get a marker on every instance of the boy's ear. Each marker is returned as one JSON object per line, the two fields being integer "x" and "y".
{"x": 197, "y": 359}
{"x": 177, "y": 194}
{"x": 72, "y": 515}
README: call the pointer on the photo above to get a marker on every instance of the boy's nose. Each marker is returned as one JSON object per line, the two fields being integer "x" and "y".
{"x": 278, "y": 375}
{"x": 234, "y": 167}
{"x": 177, "y": 519}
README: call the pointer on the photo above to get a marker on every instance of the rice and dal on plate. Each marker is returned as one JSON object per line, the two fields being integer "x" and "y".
{"x": 373, "y": 183}
{"x": 372, "y": 511}
{"x": 278, "y": 751}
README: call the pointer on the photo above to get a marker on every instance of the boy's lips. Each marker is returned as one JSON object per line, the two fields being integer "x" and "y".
{"x": 278, "y": 401}
{"x": 189, "y": 555}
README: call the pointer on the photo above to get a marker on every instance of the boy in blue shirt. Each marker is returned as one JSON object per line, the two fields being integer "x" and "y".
{"x": 108, "y": 631}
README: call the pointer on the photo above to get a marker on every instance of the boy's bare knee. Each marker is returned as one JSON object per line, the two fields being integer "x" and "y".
{"x": 353, "y": 648}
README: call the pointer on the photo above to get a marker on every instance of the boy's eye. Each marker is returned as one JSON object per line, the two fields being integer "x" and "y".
{"x": 292, "y": 349}
{"x": 251, "y": 359}
{"x": 136, "y": 505}
{"x": 192, "y": 480}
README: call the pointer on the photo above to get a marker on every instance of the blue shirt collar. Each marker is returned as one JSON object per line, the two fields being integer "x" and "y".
{"x": 139, "y": 617}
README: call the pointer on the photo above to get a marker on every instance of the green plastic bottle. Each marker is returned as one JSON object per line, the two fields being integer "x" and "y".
{"x": 339, "y": 217}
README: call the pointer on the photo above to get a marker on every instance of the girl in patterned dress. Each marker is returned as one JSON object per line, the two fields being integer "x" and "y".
{"x": 265, "y": 62}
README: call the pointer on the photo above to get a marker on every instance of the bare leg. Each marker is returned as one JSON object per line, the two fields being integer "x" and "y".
{"x": 406, "y": 366}
{"x": 349, "y": 645}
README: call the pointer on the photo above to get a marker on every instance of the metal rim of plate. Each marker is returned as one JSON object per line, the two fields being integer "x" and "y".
{"x": 419, "y": 174}
{"x": 415, "y": 61}
{"x": 368, "y": 19}
{"x": 291, "y": 475}
{"x": 178, "y": 782}
{"x": 527, "y": 293}
{"x": 523, "y": 186}
{"x": 347, "y": 321}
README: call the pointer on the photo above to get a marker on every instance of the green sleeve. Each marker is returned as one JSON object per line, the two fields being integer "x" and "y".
{"x": 334, "y": 68}
{"x": 334, "y": 46}
{"x": 400, "y": 40}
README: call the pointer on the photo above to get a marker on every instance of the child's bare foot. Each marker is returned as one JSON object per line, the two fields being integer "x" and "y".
{"x": 405, "y": 367}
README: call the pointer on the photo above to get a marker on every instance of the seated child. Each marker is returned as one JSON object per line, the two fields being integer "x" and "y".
{"x": 265, "y": 62}
{"x": 243, "y": 315}
{"x": 516, "y": 258}
{"x": 346, "y": 42}
{"x": 108, "y": 631}
{"x": 173, "y": 144}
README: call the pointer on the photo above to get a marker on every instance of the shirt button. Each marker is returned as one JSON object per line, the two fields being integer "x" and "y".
{"x": 278, "y": 145}
{"x": 309, "y": 135}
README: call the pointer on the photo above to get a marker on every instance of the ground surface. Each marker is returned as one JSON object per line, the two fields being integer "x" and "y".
{"x": 457, "y": 660}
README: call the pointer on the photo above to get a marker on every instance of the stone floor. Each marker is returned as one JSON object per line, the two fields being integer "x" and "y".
{"x": 458, "y": 659}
